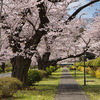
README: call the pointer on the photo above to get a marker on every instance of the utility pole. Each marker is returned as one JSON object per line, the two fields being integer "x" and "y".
{"x": 84, "y": 67}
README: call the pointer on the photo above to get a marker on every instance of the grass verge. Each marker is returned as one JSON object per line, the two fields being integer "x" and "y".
{"x": 43, "y": 90}
{"x": 92, "y": 87}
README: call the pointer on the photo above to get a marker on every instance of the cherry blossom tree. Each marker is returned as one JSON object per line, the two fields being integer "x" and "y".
{"x": 26, "y": 22}
{"x": 93, "y": 32}
{"x": 60, "y": 45}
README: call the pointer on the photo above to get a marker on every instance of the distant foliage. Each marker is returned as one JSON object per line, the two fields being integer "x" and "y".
{"x": 8, "y": 69}
{"x": 72, "y": 68}
{"x": 98, "y": 73}
{"x": 91, "y": 63}
{"x": 8, "y": 64}
{"x": 91, "y": 67}
{"x": 96, "y": 62}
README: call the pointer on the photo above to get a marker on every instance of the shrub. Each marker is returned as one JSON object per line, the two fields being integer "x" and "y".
{"x": 82, "y": 63}
{"x": 97, "y": 73}
{"x": 79, "y": 68}
{"x": 93, "y": 72}
{"x": 8, "y": 69}
{"x": 88, "y": 70}
{"x": 58, "y": 66}
{"x": 72, "y": 68}
{"x": 33, "y": 76}
{"x": 52, "y": 68}
{"x": 49, "y": 71}
{"x": 77, "y": 64}
{"x": 43, "y": 73}
{"x": 90, "y": 63}
{"x": 8, "y": 86}
{"x": 82, "y": 69}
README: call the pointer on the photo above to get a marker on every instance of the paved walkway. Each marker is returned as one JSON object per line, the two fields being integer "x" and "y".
{"x": 5, "y": 74}
{"x": 69, "y": 89}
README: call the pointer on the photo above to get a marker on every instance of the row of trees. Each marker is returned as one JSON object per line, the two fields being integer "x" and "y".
{"x": 27, "y": 25}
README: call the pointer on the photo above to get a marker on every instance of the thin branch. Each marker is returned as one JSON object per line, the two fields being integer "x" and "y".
{"x": 70, "y": 56}
{"x": 73, "y": 56}
{"x": 86, "y": 42}
{"x": 31, "y": 24}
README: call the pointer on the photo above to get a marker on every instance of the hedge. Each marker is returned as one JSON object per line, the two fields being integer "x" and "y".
{"x": 8, "y": 86}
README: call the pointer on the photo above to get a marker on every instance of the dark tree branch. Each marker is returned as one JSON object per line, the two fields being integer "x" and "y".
{"x": 79, "y": 9}
{"x": 87, "y": 43}
{"x": 35, "y": 39}
{"x": 31, "y": 24}
{"x": 72, "y": 56}
{"x": 55, "y": 1}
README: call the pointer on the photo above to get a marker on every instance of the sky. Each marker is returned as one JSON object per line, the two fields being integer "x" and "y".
{"x": 89, "y": 11}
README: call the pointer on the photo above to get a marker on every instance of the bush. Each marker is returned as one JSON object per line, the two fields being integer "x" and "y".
{"x": 8, "y": 86}
{"x": 82, "y": 69}
{"x": 52, "y": 68}
{"x": 97, "y": 73}
{"x": 8, "y": 69}
{"x": 82, "y": 63}
{"x": 93, "y": 72}
{"x": 43, "y": 73}
{"x": 72, "y": 68}
{"x": 79, "y": 68}
{"x": 49, "y": 71}
{"x": 33, "y": 76}
{"x": 77, "y": 64}
{"x": 88, "y": 70}
{"x": 89, "y": 63}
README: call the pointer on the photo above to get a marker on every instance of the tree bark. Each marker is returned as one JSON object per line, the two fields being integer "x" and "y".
{"x": 20, "y": 68}
{"x": 43, "y": 61}
{"x": 3, "y": 67}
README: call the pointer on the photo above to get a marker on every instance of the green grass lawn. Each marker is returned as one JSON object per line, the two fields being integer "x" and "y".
{"x": 92, "y": 87}
{"x": 44, "y": 90}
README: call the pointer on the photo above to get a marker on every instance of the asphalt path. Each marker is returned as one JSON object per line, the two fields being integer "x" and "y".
{"x": 69, "y": 89}
{"x": 5, "y": 74}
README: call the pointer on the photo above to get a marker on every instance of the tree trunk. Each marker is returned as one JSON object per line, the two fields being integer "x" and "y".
{"x": 3, "y": 67}
{"x": 40, "y": 64}
{"x": 20, "y": 68}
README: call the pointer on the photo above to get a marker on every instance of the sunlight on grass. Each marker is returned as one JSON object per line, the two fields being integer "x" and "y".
{"x": 44, "y": 90}
{"x": 93, "y": 84}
